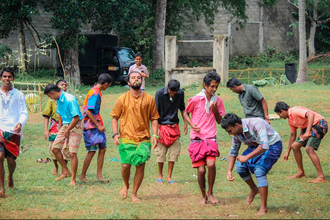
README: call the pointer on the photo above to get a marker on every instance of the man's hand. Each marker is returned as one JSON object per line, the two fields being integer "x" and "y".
{"x": 154, "y": 142}
{"x": 185, "y": 128}
{"x": 242, "y": 158}
{"x": 115, "y": 139}
{"x": 286, "y": 156}
{"x": 101, "y": 128}
{"x": 18, "y": 128}
{"x": 196, "y": 128}
{"x": 306, "y": 136}
{"x": 46, "y": 134}
{"x": 230, "y": 176}
{"x": 213, "y": 106}
{"x": 66, "y": 133}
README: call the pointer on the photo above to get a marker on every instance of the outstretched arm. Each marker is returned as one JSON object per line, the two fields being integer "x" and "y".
{"x": 192, "y": 125}
{"x": 265, "y": 108}
{"x": 115, "y": 131}
{"x": 231, "y": 164}
{"x": 154, "y": 127}
{"x": 291, "y": 140}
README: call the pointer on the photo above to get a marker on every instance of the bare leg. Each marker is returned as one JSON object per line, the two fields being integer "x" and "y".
{"x": 11, "y": 168}
{"x": 87, "y": 162}
{"x": 211, "y": 179}
{"x": 55, "y": 167}
{"x": 65, "y": 171}
{"x": 201, "y": 181}
{"x": 74, "y": 167}
{"x": 264, "y": 195}
{"x": 139, "y": 174}
{"x": 2, "y": 174}
{"x": 253, "y": 193}
{"x": 170, "y": 170}
{"x": 100, "y": 160}
{"x": 160, "y": 172}
{"x": 297, "y": 155}
{"x": 316, "y": 161}
{"x": 125, "y": 172}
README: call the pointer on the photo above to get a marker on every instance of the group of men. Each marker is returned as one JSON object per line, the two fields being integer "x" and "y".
{"x": 135, "y": 111}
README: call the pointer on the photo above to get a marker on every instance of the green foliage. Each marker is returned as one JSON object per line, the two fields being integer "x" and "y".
{"x": 4, "y": 49}
{"x": 283, "y": 80}
{"x": 263, "y": 60}
{"x": 13, "y": 12}
{"x": 157, "y": 78}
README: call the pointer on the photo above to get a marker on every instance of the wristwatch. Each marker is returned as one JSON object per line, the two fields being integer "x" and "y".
{"x": 267, "y": 117}
{"x": 114, "y": 135}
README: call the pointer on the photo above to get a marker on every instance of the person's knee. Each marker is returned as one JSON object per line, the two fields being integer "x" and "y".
{"x": 2, "y": 157}
{"x": 73, "y": 155}
{"x": 201, "y": 170}
{"x": 260, "y": 174}
{"x": 210, "y": 164}
{"x": 296, "y": 146}
{"x": 126, "y": 166}
{"x": 310, "y": 150}
{"x": 55, "y": 150}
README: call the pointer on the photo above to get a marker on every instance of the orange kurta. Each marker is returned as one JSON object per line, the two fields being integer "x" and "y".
{"x": 135, "y": 114}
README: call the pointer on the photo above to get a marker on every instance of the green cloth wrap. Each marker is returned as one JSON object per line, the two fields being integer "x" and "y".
{"x": 134, "y": 153}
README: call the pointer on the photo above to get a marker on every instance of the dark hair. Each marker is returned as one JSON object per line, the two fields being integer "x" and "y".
{"x": 131, "y": 73}
{"x": 281, "y": 106}
{"x": 233, "y": 82}
{"x": 104, "y": 78}
{"x": 61, "y": 80}
{"x": 50, "y": 88}
{"x": 230, "y": 119}
{"x": 9, "y": 70}
{"x": 209, "y": 77}
{"x": 173, "y": 85}
{"x": 138, "y": 55}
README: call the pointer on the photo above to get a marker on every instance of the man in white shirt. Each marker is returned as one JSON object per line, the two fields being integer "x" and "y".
{"x": 13, "y": 117}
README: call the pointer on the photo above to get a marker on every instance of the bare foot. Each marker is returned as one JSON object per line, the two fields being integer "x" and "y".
{"x": 103, "y": 180}
{"x": 83, "y": 179}
{"x": 73, "y": 183}
{"x": 318, "y": 180}
{"x": 298, "y": 175}
{"x": 203, "y": 201}
{"x": 2, "y": 195}
{"x": 213, "y": 200}
{"x": 262, "y": 211}
{"x": 62, "y": 176}
{"x": 123, "y": 192}
{"x": 250, "y": 198}
{"x": 135, "y": 198}
{"x": 10, "y": 181}
{"x": 55, "y": 172}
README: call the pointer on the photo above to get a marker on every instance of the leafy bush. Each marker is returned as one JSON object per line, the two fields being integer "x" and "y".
{"x": 157, "y": 78}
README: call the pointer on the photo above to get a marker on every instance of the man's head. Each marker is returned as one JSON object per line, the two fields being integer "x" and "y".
{"x": 53, "y": 91}
{"x": 235, "y": 85}
{"x": 104, "y": 80}
{"x": 7, "y": 76}
{"x": 281, "y": 109}
{"x": 211, "y": 82}
{"x": 138, "y": 59}
{"x": 134, "y": 80}
{"x": 62, "y": 84}
{"x": 173, "y": 87}
{"x": 232, "y": 124}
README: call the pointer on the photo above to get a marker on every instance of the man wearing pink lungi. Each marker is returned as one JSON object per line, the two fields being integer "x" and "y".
{"x": 207, "y": 109}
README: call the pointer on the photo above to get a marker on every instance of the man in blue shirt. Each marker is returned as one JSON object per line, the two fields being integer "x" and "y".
{"x": 70, "y": 130}
{"x": 264, "y": 149}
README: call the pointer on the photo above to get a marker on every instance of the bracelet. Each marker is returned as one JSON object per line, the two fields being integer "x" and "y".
{"x": 156, "y": 136}
{"x": 267, "y": 117}
{"x": 114, "y": 135}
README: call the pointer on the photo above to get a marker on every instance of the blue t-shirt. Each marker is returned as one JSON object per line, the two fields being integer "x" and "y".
{"x": 68, "y": 107}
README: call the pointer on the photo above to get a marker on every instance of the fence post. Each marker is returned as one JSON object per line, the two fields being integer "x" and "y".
{"x": 40, "y": 97}
{"x": 270, "y": 72}
{"x": 248, "y": 69}
{"x": 323, "y": 72}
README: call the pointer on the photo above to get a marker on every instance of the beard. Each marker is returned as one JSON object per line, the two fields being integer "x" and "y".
{"x": 136, "y": 87}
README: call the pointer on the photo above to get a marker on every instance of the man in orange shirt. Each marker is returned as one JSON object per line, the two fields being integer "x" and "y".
{"x": 135, "y": 109}
{"x": 313, "y": 128}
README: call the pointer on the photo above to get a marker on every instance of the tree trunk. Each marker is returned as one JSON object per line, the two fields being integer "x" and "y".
{"x": 22, "y": 47}
{"x": 302, "y": 75}
{"x": 159, "y": 38}
{"x": 311, "y": 40}
{"x": 71, "y": 64}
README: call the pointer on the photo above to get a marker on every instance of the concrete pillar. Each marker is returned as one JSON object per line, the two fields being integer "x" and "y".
{"x": 221, "y": 57}
{"x": 171, "y": 56}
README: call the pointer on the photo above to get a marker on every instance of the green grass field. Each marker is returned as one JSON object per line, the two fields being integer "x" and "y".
{"x": 37, "y": 195}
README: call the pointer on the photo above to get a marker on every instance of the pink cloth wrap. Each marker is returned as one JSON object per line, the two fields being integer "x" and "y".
{"x": 200, "y": 149}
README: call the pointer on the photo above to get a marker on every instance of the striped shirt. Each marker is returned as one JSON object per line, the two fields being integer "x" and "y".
{"x": 256, "y": 132}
